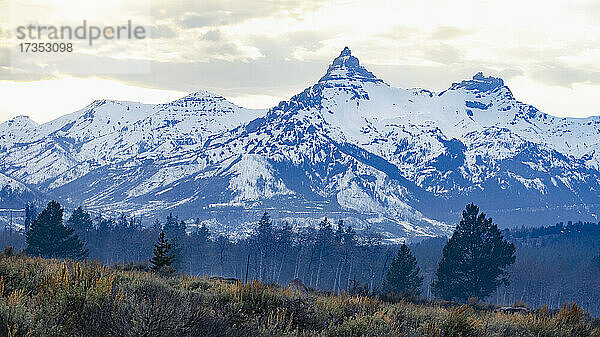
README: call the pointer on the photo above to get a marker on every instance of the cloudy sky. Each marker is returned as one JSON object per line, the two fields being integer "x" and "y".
{"x": 258, "y": 52}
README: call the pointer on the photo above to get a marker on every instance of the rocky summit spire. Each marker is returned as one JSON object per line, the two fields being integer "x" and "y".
{"x": 347, "y": 66}
{"x": 480, "y": 83}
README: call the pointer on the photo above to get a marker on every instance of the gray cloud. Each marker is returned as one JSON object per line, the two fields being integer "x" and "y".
{"x": 211, "y": 13}
{"x": 443, "y": 53}
{"x": 212, "y": 35}
{"x": 161, "y": 32}
{"x": 284, "y": 46}
{"x": 560, "y": 74}
{"x": 203, "y": 20}
{"x": 448, "y": 33}
{"x": 10, "y": 72}
{"x": 271, "y": 75}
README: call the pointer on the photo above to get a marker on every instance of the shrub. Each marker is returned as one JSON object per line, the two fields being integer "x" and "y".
{"x": 460, "y": 322}
{"x": 43, "y": 298}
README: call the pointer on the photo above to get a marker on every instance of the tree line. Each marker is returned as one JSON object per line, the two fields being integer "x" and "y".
{"x": 331, "y": 256}
{"x": 553, "y": 264}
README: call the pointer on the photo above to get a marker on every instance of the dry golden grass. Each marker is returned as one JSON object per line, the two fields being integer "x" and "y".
{"x": 41, "y": 297}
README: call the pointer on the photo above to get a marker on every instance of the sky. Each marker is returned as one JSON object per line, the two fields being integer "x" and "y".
{"x": 259, "y": 52}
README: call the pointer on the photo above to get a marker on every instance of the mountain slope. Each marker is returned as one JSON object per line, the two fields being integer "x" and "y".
{"x": 403, "y": 161}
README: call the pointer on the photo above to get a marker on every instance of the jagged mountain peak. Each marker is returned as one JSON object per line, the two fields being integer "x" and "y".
{"x": 480, "y": 83}
{"x": 349, "y": 144}
{"x": 202, "y": 94}
{"x": 347, "y": 66}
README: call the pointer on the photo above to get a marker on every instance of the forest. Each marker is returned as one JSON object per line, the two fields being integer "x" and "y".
{"x": 551, "y": 265}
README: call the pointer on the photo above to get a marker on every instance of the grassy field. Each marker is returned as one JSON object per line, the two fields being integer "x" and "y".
{"x": 41, "y": 297}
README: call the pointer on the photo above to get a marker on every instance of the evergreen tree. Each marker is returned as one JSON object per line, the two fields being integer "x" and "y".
{"x": 175, "y": 231}
{"x": 403, "y": 274}
{"x": 30, "y": 215}
{"x": 162, "y": 253}
{"x": 263, "y": 243}
{"x": 475, "y": 259}
{"x": 264, "y": 229}
{"x": 325, "y": 242}
{"x": 81, "y": 222}
{"x": 48, "y": 237}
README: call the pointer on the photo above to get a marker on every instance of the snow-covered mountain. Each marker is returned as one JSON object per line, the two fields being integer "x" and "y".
{"x": 404, "y": 161}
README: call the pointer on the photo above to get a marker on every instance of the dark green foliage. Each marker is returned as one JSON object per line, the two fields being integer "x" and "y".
{"x": 175, "y": 231}
{"x": 80, "y": 220}
{"x": 81, "y": 223}
{"x": 30, "y": 215}
{"x": 162, "y": 253}
{"x": 48, "y": 237}
{"x": 265, "y": 225}
{"x": 474, "y": 260}
{"x": 330, "y": 256}
{"x": 403, "y": 274}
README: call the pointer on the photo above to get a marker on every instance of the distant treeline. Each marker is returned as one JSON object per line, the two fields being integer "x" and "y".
{"x": 553, "y": 265}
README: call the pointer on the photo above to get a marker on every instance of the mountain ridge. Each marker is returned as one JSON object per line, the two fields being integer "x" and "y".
{"x": 401, "y": 161}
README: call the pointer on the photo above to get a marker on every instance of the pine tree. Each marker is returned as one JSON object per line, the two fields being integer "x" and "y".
{"x": 403, "y": 274}
{"x": 162, "y": 253}
{"x": 475, "y": 259}
{"x": 30, "y": 215}
{"x": 264, "y": 229}
{"x": 48, "y": 237}
{"x": 325, "y": 241}
{"x": 175, "y": 231}
{"x": 81, "y": 222}
{"x": 264, "y": 243}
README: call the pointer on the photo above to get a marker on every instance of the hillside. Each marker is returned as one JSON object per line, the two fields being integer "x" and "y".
{"x": 61, "y": 298}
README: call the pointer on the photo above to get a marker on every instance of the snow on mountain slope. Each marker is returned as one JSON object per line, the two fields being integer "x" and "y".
{"x": 11, "y": 184}
{"x": 106, "y": 132}
{"x": 349, "y": 146}
{"x": 14, "y": 194}
{"x": 420, "y": 131}
{"x": 474, "y": 141}
{"x": 16, "y": 130}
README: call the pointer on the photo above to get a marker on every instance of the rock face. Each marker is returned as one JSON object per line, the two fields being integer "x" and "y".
{"x": 401, "y": 161}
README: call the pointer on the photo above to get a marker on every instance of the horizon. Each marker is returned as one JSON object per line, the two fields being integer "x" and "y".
{"x": 286, "y": 99}
{"x": 258, "y": 54}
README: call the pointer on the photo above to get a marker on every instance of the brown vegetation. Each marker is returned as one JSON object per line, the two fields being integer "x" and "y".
{"x": 41, "y": 297}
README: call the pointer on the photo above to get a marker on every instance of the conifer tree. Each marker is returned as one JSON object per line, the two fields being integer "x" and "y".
{"x": 162, "y": 253}
{"x": 81, "y": 222}
{"x": 403, "y": 274}
{"x": 30, "y": 215}
{"x": 475, "y": 259}
{"x": 48, "y": 237}
{"x": 175, "y": 231}
{"x": 264, "y": 243}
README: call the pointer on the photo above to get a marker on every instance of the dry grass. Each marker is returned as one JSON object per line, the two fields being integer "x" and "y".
{"x": 62, "y": 298}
